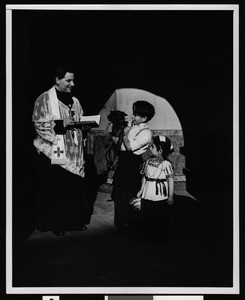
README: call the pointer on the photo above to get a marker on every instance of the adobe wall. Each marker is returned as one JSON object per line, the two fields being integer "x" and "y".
{"x": 98, "y": 143}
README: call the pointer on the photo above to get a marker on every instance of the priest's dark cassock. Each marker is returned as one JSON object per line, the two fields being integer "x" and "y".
{"x": 65, "y": 174}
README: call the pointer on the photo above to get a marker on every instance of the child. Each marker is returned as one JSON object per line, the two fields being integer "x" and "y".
{"x": 127, "y": 178}
{"x": 156, "y": 191}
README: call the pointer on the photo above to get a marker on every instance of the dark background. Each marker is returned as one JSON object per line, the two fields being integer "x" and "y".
{"x": 185, "y": 57}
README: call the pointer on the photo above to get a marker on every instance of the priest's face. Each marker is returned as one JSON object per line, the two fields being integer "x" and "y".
{"x": 66, "y": 83}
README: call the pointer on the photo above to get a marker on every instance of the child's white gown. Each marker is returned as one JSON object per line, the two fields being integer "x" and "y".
{"x": 156, "y": 187}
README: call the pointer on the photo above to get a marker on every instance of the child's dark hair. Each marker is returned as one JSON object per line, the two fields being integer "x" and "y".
{"x": 143, "y": 109}
{"x": 163, "y": 143}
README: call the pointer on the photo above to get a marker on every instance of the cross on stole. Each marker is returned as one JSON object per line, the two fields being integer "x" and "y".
{"x": 58, "y": 151}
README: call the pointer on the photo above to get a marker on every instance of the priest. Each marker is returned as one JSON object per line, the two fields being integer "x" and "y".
{"x": 63, "y": 202}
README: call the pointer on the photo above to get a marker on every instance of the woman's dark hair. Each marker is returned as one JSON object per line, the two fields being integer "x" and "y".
{"x": 60, "y": 71}
{"x": 143, "y": 109}
{"x": 163, "y": 143}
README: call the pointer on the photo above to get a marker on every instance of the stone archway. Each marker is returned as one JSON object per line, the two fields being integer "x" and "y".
{"x": 165, "y": 122}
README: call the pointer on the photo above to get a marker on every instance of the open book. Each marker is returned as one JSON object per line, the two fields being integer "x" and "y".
{"x": 90, "y": 121}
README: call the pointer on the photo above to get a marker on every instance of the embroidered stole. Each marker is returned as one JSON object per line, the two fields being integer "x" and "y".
{"x": 58, "y": 149}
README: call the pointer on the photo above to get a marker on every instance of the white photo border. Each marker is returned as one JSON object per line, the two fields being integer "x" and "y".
{"x": 122, "y": 290}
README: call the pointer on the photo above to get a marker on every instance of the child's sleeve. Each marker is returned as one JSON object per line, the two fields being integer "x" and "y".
{"x": 169, "y": 169}
{"x": 43, "y": 119}
{"x": 141, "y": 140}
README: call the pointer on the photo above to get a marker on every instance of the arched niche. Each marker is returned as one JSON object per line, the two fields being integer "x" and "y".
{"x": 165, "y": 122}
{"x": 122, "y": 99}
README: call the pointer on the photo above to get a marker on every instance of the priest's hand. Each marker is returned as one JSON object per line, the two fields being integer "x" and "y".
{"x": 68, "y": 121}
